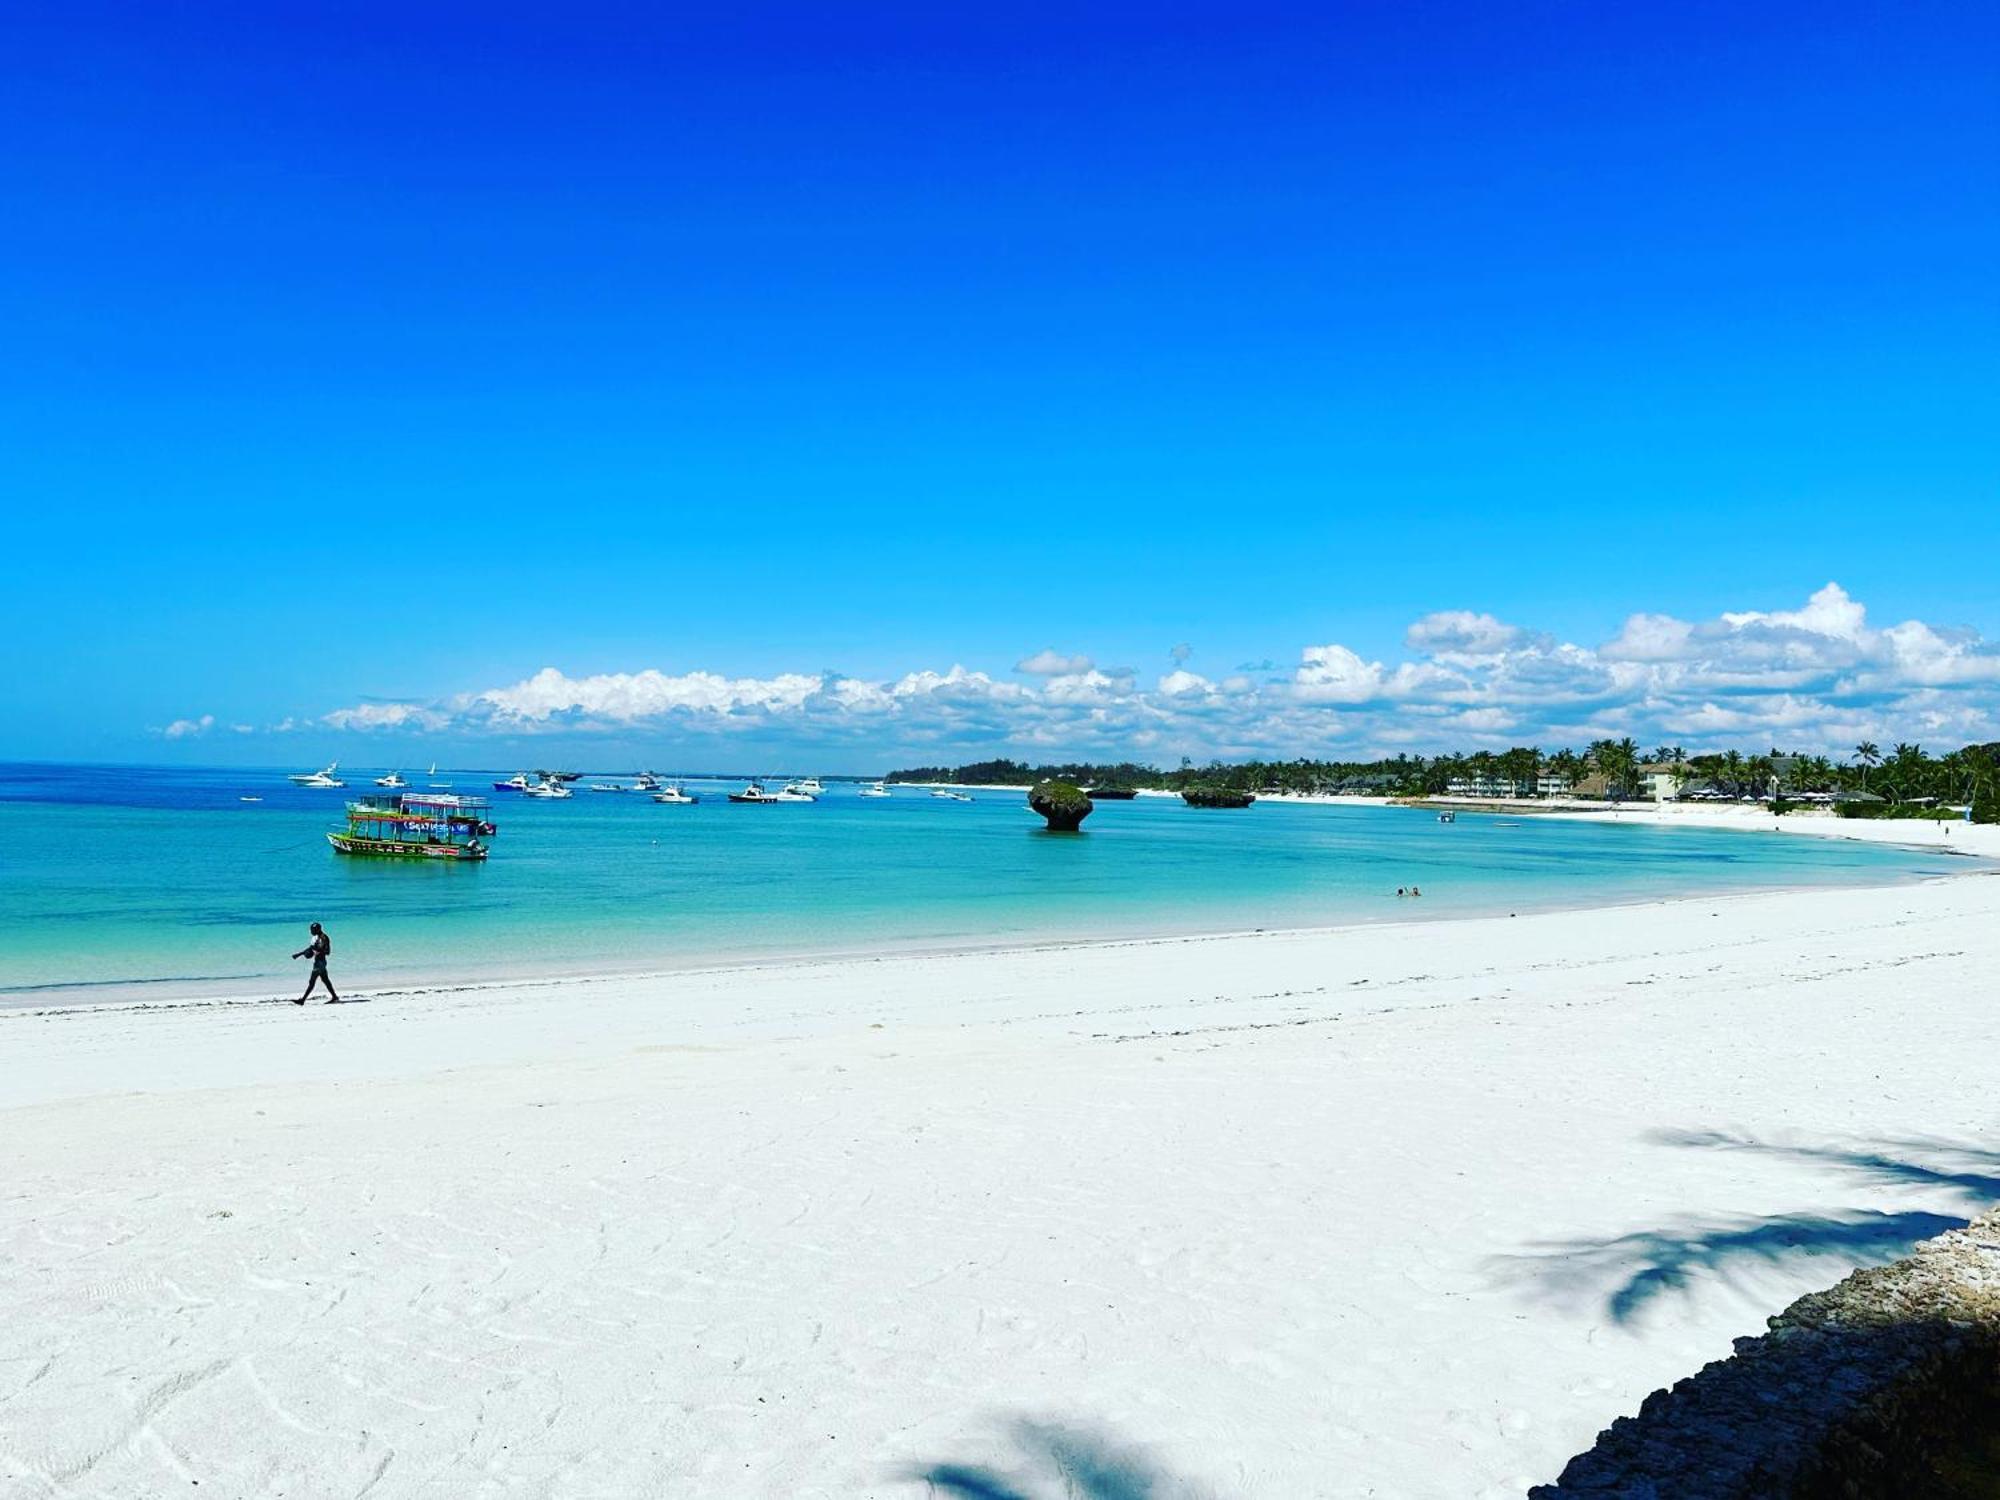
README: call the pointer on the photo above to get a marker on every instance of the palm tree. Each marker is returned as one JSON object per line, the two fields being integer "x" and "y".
{"x": 1616, "y": 761}
{"x": 1907, "y": 765}
{"x": 1761, "y": 774}
{"x": 1869, "y": 754}
{"x": 1519, "y": 765}
{"x": 1732, "y": 770}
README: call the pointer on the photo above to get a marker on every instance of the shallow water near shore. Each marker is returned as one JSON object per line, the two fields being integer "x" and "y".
{"x": 124, "y": 882}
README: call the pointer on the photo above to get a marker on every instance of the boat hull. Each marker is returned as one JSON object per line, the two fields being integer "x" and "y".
{"x": 348, "y": 843}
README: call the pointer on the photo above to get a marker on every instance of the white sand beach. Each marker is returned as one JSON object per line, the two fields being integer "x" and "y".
{"x": 1398, "y": 1211}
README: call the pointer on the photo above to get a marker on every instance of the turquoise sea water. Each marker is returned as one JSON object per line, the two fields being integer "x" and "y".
{"x": 123, "y": 881}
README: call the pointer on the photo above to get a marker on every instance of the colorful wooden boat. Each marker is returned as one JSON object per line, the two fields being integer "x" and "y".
{"x": 416, "y": 825}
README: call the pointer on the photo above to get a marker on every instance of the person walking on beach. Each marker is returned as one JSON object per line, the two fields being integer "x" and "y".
{"x": 319, "y": 949}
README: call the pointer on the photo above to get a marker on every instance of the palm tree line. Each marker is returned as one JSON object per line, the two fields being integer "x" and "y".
{"x": 1907, "y": 773}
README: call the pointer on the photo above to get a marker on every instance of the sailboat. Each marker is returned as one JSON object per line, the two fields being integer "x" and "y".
{"x": 434, "y": 784}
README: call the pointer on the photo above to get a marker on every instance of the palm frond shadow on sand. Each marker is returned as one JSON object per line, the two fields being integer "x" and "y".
{"x": 1631, "y": 1271}
{"x": 1059, "y": 1462}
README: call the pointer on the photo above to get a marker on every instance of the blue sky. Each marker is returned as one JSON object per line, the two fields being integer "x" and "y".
{"x": 382, "y": 358}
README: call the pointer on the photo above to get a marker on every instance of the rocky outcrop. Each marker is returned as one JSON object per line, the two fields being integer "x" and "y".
{"x": 1062, "y": 803}
{"x": 1217, "y": 796}
{"x": 1887, "y": 1385}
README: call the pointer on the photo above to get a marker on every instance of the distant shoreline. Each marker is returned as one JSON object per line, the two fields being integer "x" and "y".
{"x": 1953, "y": 835}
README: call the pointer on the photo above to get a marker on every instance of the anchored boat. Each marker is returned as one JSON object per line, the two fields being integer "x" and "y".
{"x": 755, "y": 792}
{"x": 422, "y": 825}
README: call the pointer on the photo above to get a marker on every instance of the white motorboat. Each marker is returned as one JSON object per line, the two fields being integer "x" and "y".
{"x": 548, "y": 790}
{"x": 810, "y": 786}
{"x": 609, "y": 786}
{"x": 875, "y": 789}
{"x": 675, "y": 796}
{"x": 755, "y": 792}
{"x": 393, "y": 780}
{"x": 646, "y": 781}
{"x": 948, "y": 795}
{"x": 518, "y": 782}
{"x": 320, "y": 780}
{"x": 249, "y": 799}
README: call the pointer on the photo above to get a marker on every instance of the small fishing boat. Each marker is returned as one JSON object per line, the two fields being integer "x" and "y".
{"x": 518, "y": 782}
{"x": 249, "y": 799}
{"x": 393, "y": 780}
{"x": 548, "y": 791}
{"x": 946, "y": 794}
{"x": 318, "y": 780}
{"x": 609, "y": 786}
{"x": 807, "y": 790}
{"x": 646, "y": 781}
{"x": 675, "y": 796}
{"x": 875, "y": 789}
{"x": 755, "y": 792}
{"x": 415, "y": 825}
{"x": 1448, "y": 816}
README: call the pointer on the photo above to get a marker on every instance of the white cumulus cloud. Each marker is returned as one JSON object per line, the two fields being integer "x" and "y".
{"x": 1816, "y": 677}
{"x": 1052, "y": 663}
{"x": 366, "y": 716}
{"x": 1460, "y": 632}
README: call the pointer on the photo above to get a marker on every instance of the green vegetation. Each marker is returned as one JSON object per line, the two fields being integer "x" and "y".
{"x": 1216, "y": 796}
{"x": 1907, "y": 776}
{"x": 1019, "y": 773}
{"x": 1062, "y": 803}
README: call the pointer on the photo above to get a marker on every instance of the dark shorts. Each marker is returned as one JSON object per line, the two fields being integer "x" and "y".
{"x": 319, "y": 968}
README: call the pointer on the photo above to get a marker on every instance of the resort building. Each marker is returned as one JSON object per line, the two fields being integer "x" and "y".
{"x": 1553, "y": 784}
{"x": 1482, "y": 786}
{"x": 1660, "y": 782}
